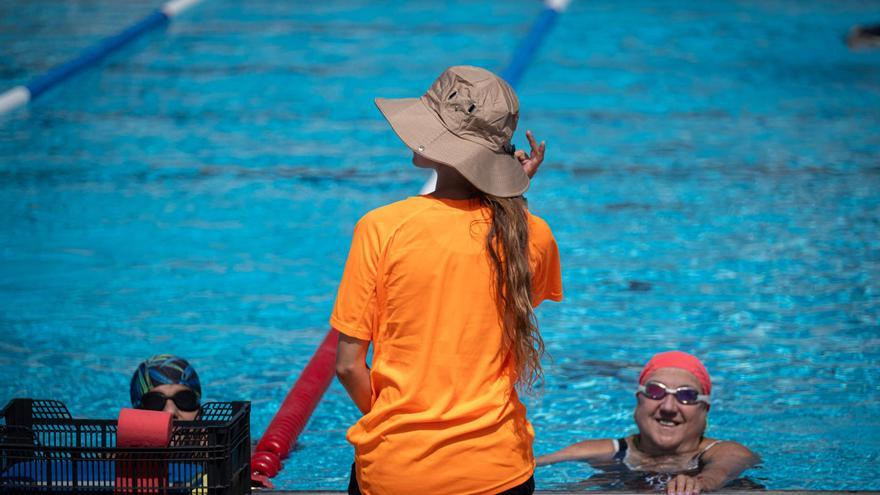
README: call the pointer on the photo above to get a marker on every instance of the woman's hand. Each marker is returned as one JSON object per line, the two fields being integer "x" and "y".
{"x": 684, "y": 485}
{"x": 532, "y": 161}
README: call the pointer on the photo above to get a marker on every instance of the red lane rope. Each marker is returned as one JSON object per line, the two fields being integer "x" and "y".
{"x": 294, "y": 413}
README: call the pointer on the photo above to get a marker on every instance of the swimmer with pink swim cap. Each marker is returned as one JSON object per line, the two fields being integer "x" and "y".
{"x": 670, "y": 450}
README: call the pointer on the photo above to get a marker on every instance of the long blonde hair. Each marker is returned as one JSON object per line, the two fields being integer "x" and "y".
{"x": 508, "y": 245}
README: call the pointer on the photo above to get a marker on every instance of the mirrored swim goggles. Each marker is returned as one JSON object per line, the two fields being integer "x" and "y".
{"x": 185, "y": 400}
{"x": 684, "y": 395}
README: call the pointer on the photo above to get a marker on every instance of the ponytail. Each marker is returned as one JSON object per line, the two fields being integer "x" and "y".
{"x": 508, "y": 247}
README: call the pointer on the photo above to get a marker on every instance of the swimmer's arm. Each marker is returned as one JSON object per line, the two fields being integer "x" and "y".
{"x": 352, "y": 371}
{"x": 588, "y": 450}
{"x": 723, "y": 463}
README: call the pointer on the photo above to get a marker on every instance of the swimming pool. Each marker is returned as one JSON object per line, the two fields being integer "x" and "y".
{"x": 713, "y": 183}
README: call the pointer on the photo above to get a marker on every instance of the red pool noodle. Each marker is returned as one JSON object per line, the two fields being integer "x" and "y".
{"x": 143, "y": 428}
{"x": 142, "y": 473}
{"x": 294, "y": 413}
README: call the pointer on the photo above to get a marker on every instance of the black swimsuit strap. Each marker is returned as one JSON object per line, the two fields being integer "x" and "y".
{"x": 621, "y": 449}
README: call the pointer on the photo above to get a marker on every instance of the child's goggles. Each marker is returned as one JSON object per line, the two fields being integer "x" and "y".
{"x": 185, "y": 400}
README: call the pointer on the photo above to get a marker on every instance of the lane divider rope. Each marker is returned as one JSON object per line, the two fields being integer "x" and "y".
{"x": 291, "y": 418}
{"x": 23, "y": 94}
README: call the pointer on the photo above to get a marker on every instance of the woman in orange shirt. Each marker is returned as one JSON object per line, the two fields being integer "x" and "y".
{"x": 444, "y": 285}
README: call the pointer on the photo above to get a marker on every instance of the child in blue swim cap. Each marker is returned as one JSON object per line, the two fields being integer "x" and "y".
{"x": 167, "y": 383}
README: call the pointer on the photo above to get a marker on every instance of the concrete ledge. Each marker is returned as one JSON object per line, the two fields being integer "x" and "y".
{"x": 590, "y": 492}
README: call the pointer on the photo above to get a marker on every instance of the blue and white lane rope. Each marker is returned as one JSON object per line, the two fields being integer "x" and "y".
{"x": 523, "y": 55}
{"x": 526, "y": 50}
{"x": 21, "y": 95}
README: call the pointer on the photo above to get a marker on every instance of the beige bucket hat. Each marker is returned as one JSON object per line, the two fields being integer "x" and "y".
{"x": 465, "y": 120}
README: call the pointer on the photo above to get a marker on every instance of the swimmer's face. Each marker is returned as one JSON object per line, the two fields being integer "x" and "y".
{"x": 668, "y": 425}
{"x": 170, "y": 406}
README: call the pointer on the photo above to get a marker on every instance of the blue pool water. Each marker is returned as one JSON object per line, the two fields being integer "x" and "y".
{"x": 713, "y": 180}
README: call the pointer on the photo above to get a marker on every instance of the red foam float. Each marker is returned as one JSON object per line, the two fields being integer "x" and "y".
{"x": 142, "y": 473}
{"x": 266, "y": 463}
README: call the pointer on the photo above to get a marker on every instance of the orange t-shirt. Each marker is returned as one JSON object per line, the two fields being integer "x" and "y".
{"x": 445, "y": 416}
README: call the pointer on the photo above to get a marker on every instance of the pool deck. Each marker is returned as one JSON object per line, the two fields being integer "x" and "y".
{"x": 590, "y": 492}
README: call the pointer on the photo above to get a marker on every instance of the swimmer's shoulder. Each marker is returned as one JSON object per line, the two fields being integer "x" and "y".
{"x": 712, "y": 449}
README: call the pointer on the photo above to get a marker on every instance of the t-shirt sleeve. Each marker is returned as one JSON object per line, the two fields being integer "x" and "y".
{"x": 546, "y": 270}
{"x": 355, "y": 311}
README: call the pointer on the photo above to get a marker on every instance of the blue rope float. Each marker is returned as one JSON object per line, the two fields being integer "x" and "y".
{"x": 59, "y": 73}
{"x": 526, "y": 50}
{"x": 21, "y": 95}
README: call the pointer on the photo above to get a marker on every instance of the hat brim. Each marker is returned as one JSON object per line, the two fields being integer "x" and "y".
{"x": 498, "y": 174}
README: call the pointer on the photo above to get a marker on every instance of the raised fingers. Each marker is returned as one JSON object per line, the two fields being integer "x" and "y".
{"x": 532, "y": 142}
{"x": 537, "y": 150}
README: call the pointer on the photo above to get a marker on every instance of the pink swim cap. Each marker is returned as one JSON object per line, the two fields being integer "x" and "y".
{"x": 678, "y": 359}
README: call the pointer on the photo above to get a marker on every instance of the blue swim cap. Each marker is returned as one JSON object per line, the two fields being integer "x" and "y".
{"x": 164, "y": 369}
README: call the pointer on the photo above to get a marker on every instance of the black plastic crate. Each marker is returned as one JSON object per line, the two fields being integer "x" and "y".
{"x": 43, "y": 449}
